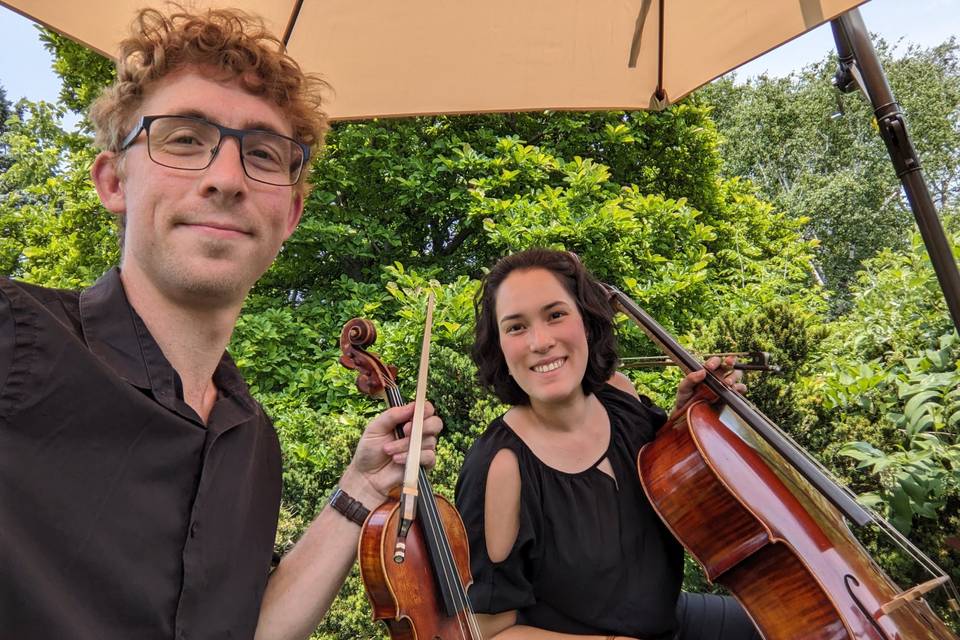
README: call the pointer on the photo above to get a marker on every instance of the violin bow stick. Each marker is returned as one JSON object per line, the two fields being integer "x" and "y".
{"x": 409, "y": 494}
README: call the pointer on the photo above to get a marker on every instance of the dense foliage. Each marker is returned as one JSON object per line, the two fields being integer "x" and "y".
{"x": 649, "y": 201}
{"x": 6, "y": 110}
{"x": 815, "y": 152}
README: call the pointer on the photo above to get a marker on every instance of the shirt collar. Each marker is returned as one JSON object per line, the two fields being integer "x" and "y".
{"x": 117, "y": 335}
{"x": 110, "y": 328}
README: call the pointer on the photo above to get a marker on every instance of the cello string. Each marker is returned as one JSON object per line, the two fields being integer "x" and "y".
{"x": 934, "y": 568}
{"x": 889, "y": 530}
{"x": 898, "y": 539}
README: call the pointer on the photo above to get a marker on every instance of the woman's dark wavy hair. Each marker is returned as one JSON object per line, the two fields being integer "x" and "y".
{"x": 591, "y": 301}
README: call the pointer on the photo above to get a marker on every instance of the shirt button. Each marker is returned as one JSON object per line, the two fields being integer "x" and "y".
{"x": 193, "y": 529}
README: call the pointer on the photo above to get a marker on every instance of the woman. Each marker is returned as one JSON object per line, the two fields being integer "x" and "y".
{"x": 563, "y": 541}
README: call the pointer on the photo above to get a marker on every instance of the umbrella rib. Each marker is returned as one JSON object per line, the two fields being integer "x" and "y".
{"x": 661, "y": 95}
{"x": 638, "y": 33}
{"x": 291, "y": 22}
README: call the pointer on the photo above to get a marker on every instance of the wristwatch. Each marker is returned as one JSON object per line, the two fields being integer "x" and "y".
{"x": 352, "y": 509}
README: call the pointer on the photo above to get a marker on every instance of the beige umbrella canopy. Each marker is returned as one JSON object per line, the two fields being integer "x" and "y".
{"x": 390, "y": 58}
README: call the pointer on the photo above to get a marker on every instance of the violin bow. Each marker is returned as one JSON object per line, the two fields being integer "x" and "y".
{"x": 409, "y": 493}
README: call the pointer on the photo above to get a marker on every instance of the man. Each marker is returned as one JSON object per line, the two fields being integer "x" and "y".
{"x": 139, "y": 481}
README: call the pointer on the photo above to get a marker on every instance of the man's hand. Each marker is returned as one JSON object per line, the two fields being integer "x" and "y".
{"x": 726, "y": 372}
{"x": 377, "y": 465}
{"x": 301, "y": 589}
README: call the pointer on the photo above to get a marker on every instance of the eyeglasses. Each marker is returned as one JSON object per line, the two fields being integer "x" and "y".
{"x": 185, "y": 142}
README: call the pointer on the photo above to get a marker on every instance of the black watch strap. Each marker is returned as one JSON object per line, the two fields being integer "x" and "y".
{"x": 351, "y": 509}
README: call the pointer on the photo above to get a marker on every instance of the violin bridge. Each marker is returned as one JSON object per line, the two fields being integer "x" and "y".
{"x": 913, "y": 594}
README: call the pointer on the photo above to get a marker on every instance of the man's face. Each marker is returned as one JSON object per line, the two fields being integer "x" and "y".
{"x": 202, "y": 237}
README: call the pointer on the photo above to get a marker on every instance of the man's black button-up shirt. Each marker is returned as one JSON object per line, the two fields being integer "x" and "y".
{"x": 121, "y": 514}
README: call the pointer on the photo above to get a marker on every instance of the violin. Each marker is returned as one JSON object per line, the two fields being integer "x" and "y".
{"x": 418, "y": 588}
{"x": 764, "y": 520}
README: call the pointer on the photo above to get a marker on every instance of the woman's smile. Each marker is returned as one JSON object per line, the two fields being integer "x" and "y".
{"x": 553, "y": 365}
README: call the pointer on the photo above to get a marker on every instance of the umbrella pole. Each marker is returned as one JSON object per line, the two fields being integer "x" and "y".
{"x": 859, "y": 65}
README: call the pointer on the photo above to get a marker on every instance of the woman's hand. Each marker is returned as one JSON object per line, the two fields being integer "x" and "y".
{"x": 722, "y": 369}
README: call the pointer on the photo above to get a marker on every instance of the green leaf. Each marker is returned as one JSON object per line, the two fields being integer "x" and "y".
{"x": 913, "y": 490}
{"x": 914, "y": 404}
{"x": 871, "y": 500}
{"x": 901, "y": 515}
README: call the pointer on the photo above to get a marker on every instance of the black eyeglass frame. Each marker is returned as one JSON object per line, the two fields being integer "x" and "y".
{"x": 143, "y": 124}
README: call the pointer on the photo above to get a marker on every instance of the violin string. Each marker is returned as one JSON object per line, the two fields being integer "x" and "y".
{"x": 429, "y": 509}
{"x": 448, "y": 568}
{"x": 431, "y": 518}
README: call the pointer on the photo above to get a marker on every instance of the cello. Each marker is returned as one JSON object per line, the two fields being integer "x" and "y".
{"x": 764, "y": 520}
{"x": 421, "y": 592}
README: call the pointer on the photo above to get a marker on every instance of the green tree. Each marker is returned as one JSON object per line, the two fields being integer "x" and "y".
{"x": 816, "y": 153}
{"x": 881, "y": 407}
{"x": 54, "y": 229}
{"x": 6, "y": 110}
{"x": 83, "y": 72}
{"x": 410, "y": 185}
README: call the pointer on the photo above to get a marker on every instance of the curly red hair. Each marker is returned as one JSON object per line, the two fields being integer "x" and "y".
{"x": 230, "y": 41}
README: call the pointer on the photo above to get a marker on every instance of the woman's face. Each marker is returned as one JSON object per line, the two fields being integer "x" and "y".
{"x": 542, "y": 336}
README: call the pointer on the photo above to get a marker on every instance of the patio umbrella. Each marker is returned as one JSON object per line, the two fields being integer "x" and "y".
{"x": 386, "y": 58}
{"x": 389, "y": 58}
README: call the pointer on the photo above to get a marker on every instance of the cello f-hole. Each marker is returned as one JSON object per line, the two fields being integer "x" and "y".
{"x": 850, "y": 582}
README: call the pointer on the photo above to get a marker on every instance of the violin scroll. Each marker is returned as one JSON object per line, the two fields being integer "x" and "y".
{"x": 373, "y": 376}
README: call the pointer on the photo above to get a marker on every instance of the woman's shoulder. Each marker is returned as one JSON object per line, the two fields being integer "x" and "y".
{"x": 497, "y": 436}
{"x": 619, "y": 381}
{"x": 484, "y": 464}
{"x": 615, "y": 394}
{"x": 627, "y": 410}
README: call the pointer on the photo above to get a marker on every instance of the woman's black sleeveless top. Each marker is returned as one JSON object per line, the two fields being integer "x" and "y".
{"x": 591, "y": 556}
